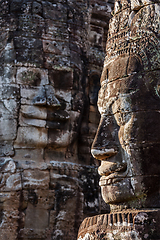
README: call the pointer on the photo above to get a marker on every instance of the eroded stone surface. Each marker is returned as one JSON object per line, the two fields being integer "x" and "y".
{"x": 51, "y": 55}
{"x": 127, "y": 140}
{"x": 142, "y": 224}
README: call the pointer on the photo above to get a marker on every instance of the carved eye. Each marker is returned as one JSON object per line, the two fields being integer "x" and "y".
{"x": 31, "y": 78}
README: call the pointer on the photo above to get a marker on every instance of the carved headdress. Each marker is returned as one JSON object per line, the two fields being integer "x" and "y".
{"x": 135, "y": 30}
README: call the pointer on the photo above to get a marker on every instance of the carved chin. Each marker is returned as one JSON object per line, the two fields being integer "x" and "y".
{"x": 120, "y": 192}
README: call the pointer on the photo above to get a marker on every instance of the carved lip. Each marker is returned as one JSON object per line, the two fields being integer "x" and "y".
{"x": 113, "y": 178}
{"x": 52, "y": 116}
{"x": 45, "y": 119}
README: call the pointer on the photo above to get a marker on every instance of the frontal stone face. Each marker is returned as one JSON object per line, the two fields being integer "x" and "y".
{"x": 37, "y": 74}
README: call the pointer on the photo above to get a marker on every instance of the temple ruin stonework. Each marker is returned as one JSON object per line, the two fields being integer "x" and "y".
{"x": 127, "y": 141}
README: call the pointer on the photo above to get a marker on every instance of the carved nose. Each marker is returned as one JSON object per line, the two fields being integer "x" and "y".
{"x": 103, "y": 153}
{"x": 105, "y": 144}
{"x": 46, "y": 96}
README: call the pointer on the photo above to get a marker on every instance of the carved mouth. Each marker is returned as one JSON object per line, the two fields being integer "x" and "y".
{"x": 113, "y": 178}
{"x": 42, "y": 118}
{"x": 60, "y": 115}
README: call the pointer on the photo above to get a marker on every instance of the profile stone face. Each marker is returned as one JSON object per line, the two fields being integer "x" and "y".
{"x": 42, "y": 65}
{"x": 127, "y": 140}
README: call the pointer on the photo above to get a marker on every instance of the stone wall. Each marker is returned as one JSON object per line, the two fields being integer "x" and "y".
{"x": 51, "y": 55}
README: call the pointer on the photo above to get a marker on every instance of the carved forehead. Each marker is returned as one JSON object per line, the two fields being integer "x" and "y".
{"x": 134, "y": 31}
{"x": 121, "y": 67}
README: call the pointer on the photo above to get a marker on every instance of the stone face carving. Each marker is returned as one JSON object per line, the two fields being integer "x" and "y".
{"x": 45, "y": 85}
{"x": 127, "y": 140}
{"x": 41, "y": 103}
{"x": 48, "y": 115}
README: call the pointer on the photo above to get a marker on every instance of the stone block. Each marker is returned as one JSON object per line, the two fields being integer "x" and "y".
{"x": 29, "y": 158}
{"x": 56, "y": 12}
{"x": 8, "y": 129}
{"x": 35, "y": 179}
{"x": 10, "y": 91}
{"x": 9, "y": 72}
{"x": 30, "y": 25}
{"x": 9, "y": 214}
{"x": 53, "y": 61}
{"x": 30, "y": 56}
{"x": 6, "y": 148}
{"x": 33, "y": 112}
{"x": 57, "y": 30}
{"x": 52, "y": 153}
{"x": 32, "y": 76}
{"x": 31, "y": 122}
{"x": 57, "y": 138}
{"x": 29, "y": 137}
{"x": 28, "y": 94}
{"x": 9, "y": 109}
{"x": 56, "y": 76}
{"x": 12, "y": 182}
{"x": 55, "y": 47}
{"x": 36, "y": 218}
{"x": 29, "y": 43}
